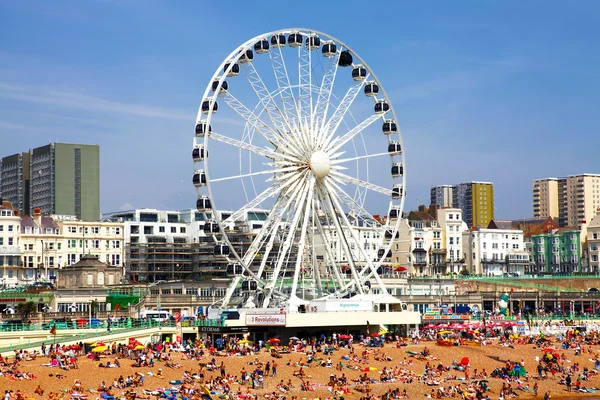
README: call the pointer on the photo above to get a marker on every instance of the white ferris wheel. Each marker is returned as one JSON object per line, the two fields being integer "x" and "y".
{"x": 303, "y": 140}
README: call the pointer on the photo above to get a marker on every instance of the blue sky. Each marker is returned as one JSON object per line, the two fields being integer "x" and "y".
{"x": 492, "y": 91}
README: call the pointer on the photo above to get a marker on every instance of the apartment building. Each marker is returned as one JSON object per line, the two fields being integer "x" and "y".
{"x": 573, "y": 200}
{"x": 496, "y": 250}
{"x": 58, "y": 178}
{"x": 453, "y": 226}
{"x": 442, "y": 195}
{"x": 37, "y": 247}
{"x": 475, "y": 199}
{"x": 557, "y": 251}
{"x": 545, "y": 198}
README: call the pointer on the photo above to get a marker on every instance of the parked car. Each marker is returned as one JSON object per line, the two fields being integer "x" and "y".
{"x": 60, "y": 323}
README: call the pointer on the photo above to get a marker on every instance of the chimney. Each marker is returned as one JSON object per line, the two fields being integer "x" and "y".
{"x": 422, "y": 208}
{"x": 37, "y": 216}
{"x": 433, "y": 210}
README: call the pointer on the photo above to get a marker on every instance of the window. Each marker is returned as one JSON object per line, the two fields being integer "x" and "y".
{"x": 182, "y": 229}
{"x": 95, "y": 230}
{"x": 10, "y": 241}
{"x": 161, "y": 229}
{"x": 148, "y": 230}
{"x": 96, "y": 244}
{"x": 437, "y": 235}
{"x": 450, "y": 216}
{"x": 71, "y": 259}
{"x": 116, "y": 244}
{"x": 173, "y": 229}
{"x": 595, "y": 234}
{"x": 116, "y": 260}
{"x": 494, "y": 245}
{"x": 1, "y": 228}
{"x": 573, "y": 246}
{"x": 191, "y": 291}
{"x": 450, "y": 228}
{"x": 515, "y": 246}
{"x": 10, "y": 228}
{"x": 134, "y": 229}
{"x": 451, "y": 240}
{"x": 72, "y": 229}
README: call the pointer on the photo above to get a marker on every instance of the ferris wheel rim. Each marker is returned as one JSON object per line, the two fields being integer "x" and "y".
{"x": 221, "y": 76}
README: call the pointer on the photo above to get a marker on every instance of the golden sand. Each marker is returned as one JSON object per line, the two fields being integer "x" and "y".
{"x": 480, "y": 358}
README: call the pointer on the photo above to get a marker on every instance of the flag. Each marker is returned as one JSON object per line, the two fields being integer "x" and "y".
{"x": 117, "y": 307}
{"x": 53, "y": 330}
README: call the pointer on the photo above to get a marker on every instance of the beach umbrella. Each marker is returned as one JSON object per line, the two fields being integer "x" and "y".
{"x": 374, "y": 335}
{"x": 244, "y": 341}
{"x": 464, "y": 361}
{"x": 99, "y": 349}
{"x": 445, "y": 332}
{"x": 74, "y": 347}
{"x": 457, "y": 326}
{"x": 273, "y": 340}
{"x": 295, "y": 338}
{"x": 343, "y": 336}
{"x": 139, "y": 347}
{"x": 429, "y": 326}
{"x": 98, "y": 344}
{"x": 369, "y": 369}
{"x": 442, "y": 326}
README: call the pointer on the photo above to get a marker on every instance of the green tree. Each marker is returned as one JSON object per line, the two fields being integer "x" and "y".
{"x": 464, "y": 271}
{"x": 27, "y": 309}
{"x": 95, "y": 307}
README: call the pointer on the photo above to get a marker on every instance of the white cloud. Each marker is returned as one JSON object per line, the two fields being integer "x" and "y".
{"x": 91, "y": 103}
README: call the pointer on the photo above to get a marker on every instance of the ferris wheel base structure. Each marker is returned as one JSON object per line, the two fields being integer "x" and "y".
{"x": 373, "y": 312}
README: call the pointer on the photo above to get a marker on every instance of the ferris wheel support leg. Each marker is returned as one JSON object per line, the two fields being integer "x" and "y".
{"x": 360, "y": 249}
{"x": 232, "y": 286}
{"x": 302, "y": 243}
{"x": 330, "y": 256}
{"x": 286, "y": 246}
{"x": 343, "y": 241}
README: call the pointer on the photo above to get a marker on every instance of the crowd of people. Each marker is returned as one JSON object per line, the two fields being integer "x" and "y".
{"x": 335, "y": 366}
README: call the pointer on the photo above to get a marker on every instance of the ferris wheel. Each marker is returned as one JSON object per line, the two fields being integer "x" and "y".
{"x": 303, "y": 141}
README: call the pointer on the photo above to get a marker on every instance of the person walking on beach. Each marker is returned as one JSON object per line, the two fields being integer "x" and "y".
{"x": 568, "y": 381}
{"x": 274, "y": 368}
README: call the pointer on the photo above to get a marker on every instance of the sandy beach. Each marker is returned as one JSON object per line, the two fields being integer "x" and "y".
{"x": 481, "y": 358}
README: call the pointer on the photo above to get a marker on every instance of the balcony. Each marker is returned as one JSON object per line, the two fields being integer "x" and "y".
{"x": 438, "y": 251}
{"x": 420, "y": 263}
{"x": 492, "y": 261}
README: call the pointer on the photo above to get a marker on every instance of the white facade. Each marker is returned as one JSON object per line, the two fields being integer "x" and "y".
{"x": 453, "y": 226}
{"x": 593, "y": 243}
{"x": 494, "y": 251}
{"x": 369, "y": 240}
{"x": 11, "y": 254}
{"x": 37, "y": 247}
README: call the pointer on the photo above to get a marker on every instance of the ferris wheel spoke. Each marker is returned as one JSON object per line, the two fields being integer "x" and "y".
{"x": 353, "y": 205}
{"x": 357, "y": 182}
{"x": 344, "y": 160}
{"x": 267, "y": 172}
{"x": 369, "y": 263}
{"x": 261, "y": 127}
{"x": 339, "y": 113}
{"x": 283, "y": 83}
{"x": 264, "y": 152}
{"x": 278, "y": 210}
{"x": 320, "y": 112}
{"x": 276, "y": 115}
{"x": 342, "y": 140}
{"x": 305, "y": 85}
{"x": 267, "y": 193}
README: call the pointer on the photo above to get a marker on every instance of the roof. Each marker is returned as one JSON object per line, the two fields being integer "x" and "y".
{"x": 87, "y": 261}
{"x": 45, "y": 223}
{"x": 376, "y": 298}
{"x": 501, "y": 224}
{"x": 420, "y": 215}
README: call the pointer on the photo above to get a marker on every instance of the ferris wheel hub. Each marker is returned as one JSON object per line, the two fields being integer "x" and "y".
{"x": 320, "y": 164}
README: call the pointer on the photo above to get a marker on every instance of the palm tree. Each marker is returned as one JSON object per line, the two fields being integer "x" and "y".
{"x": 27, "y": 309}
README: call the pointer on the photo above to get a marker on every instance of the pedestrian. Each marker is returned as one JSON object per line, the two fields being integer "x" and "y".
{"x": 274, "y": 368}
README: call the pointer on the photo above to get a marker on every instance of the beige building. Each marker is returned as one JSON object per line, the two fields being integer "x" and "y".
{"x": 89, "y": 272}
{"x": 37, "y": 247}
{"x": 574, "y": 201}
{"x": 545, "y": 198}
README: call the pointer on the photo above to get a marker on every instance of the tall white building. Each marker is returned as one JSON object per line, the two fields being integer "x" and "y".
{"x": 453, "y": 226}
{"x": 494, "y": 251}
